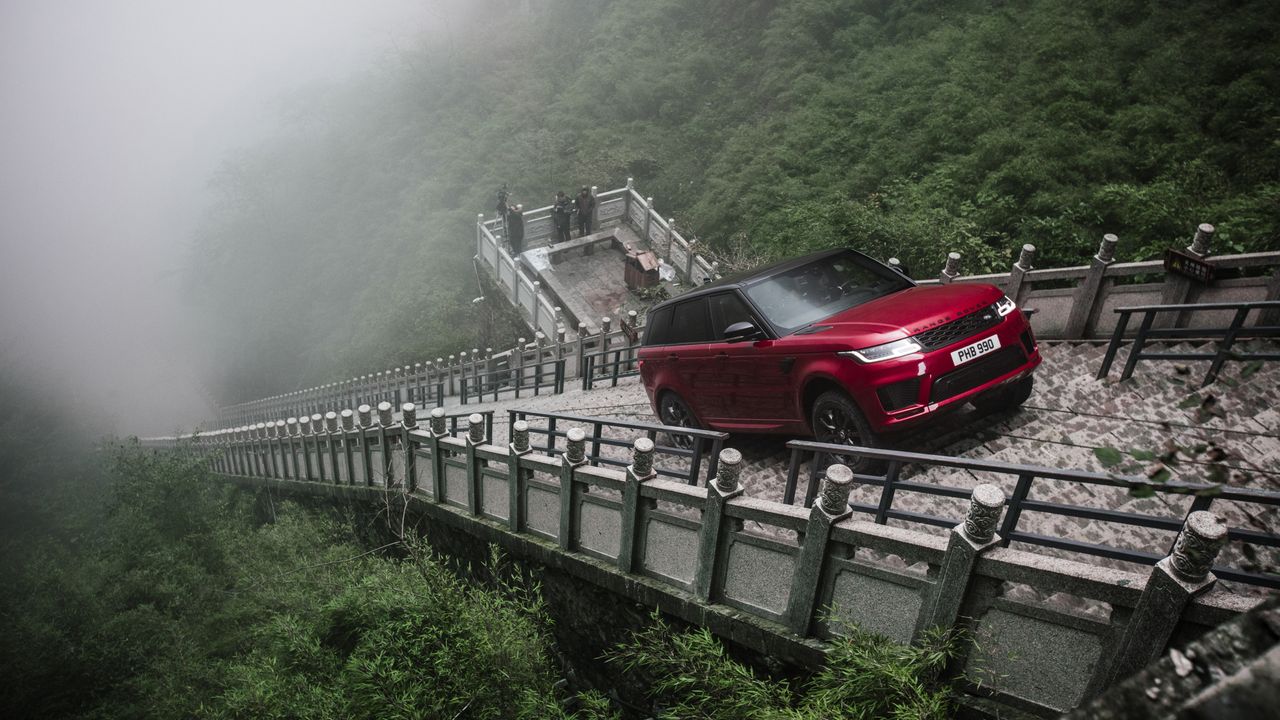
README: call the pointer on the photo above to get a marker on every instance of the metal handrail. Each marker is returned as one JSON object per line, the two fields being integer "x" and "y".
{"x": 1225, "y": 337}
{"x": 513, "y": 379}
{"x": 890, "y": 482}
{"x": 599, "y": 368}
{"x": 694, "y": 454}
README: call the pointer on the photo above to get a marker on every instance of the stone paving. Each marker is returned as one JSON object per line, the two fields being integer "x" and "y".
{"x": 1159, "y": 422}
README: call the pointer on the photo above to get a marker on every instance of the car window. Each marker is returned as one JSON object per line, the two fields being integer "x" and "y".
{"x": 810, "y": 292}
{"x": 689, "y": 323}
{"x": 727, "y": 309}
{"x": 656, "y": 329}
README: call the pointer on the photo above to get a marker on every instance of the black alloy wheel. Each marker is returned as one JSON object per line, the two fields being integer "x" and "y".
{"x": 838, "y": 421}
{"x": 674, "y": 412}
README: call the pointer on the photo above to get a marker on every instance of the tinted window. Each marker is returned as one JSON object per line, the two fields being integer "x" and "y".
{"x": 822, "y": 288}
{"x": 689, "y": 323}
{"x": 727, "y": 309}
{"x": 655, "y": 332}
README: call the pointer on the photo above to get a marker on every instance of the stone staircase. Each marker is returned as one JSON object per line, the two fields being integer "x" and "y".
{"x": 1158, "y": 423}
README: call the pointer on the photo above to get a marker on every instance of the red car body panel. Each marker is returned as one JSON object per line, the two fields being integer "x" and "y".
{"x": 766, "y": 385}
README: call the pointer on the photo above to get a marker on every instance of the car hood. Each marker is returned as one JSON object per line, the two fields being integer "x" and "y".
{"x": 905, "y": 313}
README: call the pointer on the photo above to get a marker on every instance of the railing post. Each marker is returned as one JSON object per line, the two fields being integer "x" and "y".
{"x": 1173, "y": 583}
{"x": 475, "y": 478}
{"x": 348, "y": 429}
{"x": 518, "y": 448}
{"x": 1224, "y": 346}
{"x": 575, "y": 456}
{"x": 831, "y": 508}
{"x": 582, "y": 348}
{"x": 715, "y": 523}
{"x": 626, "y": 200}
{"x": 951, "y": 270}
{"x": 968, "y": 540}
{"x": 332, "y": 434}
{"x": 1179, "y": 289}
{"x": 1086, "y": 303}
{"x": 1017, "y": 274}
{"x": 640, "y": 470}
{"x": 1117, "y": 338}
{"x": 409, "y": 423}
{"x": 438, "y": 431}
{"x": 595, "y": 208}
{"x": 386, "y": 419}
{"x": 648, "y": 222}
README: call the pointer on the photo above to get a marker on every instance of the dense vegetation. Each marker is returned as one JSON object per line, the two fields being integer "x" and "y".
{"x": 903, "y": 128}
{"x": 133, "y": 586}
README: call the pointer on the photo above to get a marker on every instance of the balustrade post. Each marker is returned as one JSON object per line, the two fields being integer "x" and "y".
{"x": 1017, "y": 274}
{"x": 331, "y": 443}
{"x": 292, "y": 433}
{"x": 1086, "y": 303}
{"x": 689, "y": 252}
{"x": 831, "y": 508}
{"x": 715, "y": 523}
{"x": 348, "y": 446}
{"x": 516, "y": 449}
{"x": 317, "y": 430}
{"x": 968, "y": 540}
{"x": 1180, "y": 289}
{"x": 648, "y": 223}
{"x": 439, "y": 429}
{"x": 1173, "y": 583}
{"x": 626, "y": 200}
{"x": 580, "y": 363}
{"x": 475, "y": 476}
{"x": 364, "y": 414}
{"x": 951, "y": 270}
{"x": 639, "y": 471}
{"x": 409, "y": 423}
{"x": 575, "y": 456}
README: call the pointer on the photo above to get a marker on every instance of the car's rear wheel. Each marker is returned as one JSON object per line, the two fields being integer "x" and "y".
{"x": 837, "y": 420}
{"x": 1009, "y": 397}
{"x": 673, "y": 411}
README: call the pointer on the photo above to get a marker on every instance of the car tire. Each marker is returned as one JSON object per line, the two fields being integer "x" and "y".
{"x": 1009, "y": 397}
{"x": 674, "y": 411}
{"x": 836, "y": 419}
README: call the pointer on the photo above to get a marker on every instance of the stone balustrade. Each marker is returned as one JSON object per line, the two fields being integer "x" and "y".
{"x": 776, "y": 578}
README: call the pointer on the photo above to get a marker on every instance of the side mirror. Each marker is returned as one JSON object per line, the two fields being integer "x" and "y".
{"x": 740, "y": 331}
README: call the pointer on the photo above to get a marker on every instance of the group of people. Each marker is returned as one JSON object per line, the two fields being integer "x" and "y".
{"x": 563, "y": 210}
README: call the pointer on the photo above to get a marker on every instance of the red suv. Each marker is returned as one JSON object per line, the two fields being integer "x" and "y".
{"x": 834, "y": 345}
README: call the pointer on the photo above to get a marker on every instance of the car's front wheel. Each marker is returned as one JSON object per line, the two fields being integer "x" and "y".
{"x": 837, "y": 420}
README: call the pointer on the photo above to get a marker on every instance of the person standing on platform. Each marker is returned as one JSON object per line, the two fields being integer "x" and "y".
{"x": 561, "y": 213}
{"x": 584, "y": 204}
{"x": 515, "y": 228}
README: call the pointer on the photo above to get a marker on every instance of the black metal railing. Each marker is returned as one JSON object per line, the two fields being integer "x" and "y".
{"x": 1225, "y": 337}
{"x": 536, "y": 379}
{"x": 687, "y": 446}
{"x": 609, "y": 365}
{"x": 814, "y": 454}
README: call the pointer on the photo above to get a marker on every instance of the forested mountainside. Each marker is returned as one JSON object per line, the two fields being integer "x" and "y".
{"x": 905, "y": 128}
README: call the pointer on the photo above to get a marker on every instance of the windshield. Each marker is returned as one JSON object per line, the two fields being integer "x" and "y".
{"x": 822, "y": 288}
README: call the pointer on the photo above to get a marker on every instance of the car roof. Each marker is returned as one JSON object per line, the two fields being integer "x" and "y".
{"x": 747, "y": 277}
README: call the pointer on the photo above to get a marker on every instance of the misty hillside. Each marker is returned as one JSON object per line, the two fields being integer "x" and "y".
{"x": 903, "y": 128}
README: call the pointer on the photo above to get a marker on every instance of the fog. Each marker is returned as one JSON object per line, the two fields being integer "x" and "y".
{"x": 114, "y": 114}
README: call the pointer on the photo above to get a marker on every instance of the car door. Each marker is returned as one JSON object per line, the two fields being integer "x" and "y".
{"x": 686, "y": 360}
{"x": 752, "y": 382}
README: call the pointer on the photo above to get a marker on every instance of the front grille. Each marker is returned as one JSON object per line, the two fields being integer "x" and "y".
{"x": 984, "y": 370}
{"x": 900, "y": 394}
{"x": 958, "y": 330}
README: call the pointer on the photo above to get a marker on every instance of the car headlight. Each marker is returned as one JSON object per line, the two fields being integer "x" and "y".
{"x": 1004, "y": 306}
{"x": 887, "y": 351}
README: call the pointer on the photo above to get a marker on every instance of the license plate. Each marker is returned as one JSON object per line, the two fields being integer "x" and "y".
{"x": 975, "y": 350}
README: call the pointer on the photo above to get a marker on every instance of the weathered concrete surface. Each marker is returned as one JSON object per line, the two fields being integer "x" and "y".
{"x": 1230, "y": 672}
